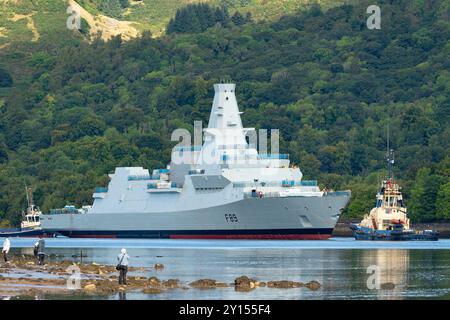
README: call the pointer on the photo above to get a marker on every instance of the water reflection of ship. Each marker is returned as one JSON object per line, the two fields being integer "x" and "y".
{"x": 393, "y": 266}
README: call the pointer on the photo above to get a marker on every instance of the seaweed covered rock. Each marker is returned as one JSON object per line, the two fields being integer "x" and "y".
{"x": 90, "y": 287}
{"x": 313, "y": 285}
{"x": 244, "y": 283}
{"x": 284, "y": 284}
{"x": 171, "y": 283}
{"x": 207, "y": 284}
{"x": 387, "y": 286}
{"x": 158, "y": 266}
{"x": 154, "y": 282}
{"x": 150, "y": 290}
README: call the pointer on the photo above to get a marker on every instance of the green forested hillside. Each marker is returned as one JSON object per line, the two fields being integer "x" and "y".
{"x": 33, "y": 20}
{"x": 154, "y": 15}
{"x": 70, "y": 113}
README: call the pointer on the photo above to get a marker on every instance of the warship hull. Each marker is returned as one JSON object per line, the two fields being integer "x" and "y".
{"x": 25, "y": 233}
{"x": 288, "y": 218}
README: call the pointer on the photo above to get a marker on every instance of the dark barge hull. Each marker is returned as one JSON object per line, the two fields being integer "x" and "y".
{"x": 368, "y": 234}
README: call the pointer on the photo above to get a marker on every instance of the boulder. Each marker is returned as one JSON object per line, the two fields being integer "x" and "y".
{"x": 159, "y": 266}
{"x": 90, "y": 287}
{"x": 207, "y": 284}
{"x": 313, "y": 285}
{"x": 284, "y": 284}
{"x": 149, "y": 290}
{"x": 171, "y": 283}
{"x": 244, "y": 283}
{"x": 154, "y": 282}
{"x": 387, "y": 286}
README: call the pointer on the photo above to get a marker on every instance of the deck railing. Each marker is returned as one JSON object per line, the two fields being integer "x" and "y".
{"x": 273, "y": 156}
{"x": 139, "y": 177}
{"x": 280, "y": 183}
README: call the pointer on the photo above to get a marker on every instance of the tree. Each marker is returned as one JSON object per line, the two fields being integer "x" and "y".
{"x": 5, "y": 79}
{"x": 3, "y": 154}
{"x": 84, "y": 27}
{"x": 111, "y": 8}
{"x": 422, "y": 205}
{"x": 443, "y": 201}
{"x": 89, "y": 126}
{"x": 248, "y": 17}
{"x": 197, "y": 17}
{"x": 363, "y": 200}
{"x": 127, "y": 117}
{"x": 238, "y": 19}
{"x": 124, "y": 3}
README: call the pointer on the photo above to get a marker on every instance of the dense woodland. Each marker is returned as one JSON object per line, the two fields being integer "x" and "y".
{"x": 323, "y": 78}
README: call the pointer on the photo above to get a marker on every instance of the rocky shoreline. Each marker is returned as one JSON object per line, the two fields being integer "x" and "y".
{"x": 22, "y": 277}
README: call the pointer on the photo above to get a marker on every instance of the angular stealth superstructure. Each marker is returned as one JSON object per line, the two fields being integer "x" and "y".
{"x": 224, "y": 189}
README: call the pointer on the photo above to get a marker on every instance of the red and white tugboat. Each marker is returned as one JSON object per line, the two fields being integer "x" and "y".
{"x": 31, "y": 223}
{"x": 389, "y": 219}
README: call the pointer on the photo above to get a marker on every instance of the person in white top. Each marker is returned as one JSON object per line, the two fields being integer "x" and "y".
{"x": 122, "y": 266}
{"x": 5, "y": 250}
{"x": 36, "y": 249}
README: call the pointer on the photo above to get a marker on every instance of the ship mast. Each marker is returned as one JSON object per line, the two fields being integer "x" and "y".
{"x": 389, "y": 156}
{"x": 31, "y": 207}
{"x": 29, "y": 196}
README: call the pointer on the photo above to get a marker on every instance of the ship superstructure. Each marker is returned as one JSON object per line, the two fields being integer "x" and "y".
{"x": 222, "y": 189}
{"x": 389, "y": 209}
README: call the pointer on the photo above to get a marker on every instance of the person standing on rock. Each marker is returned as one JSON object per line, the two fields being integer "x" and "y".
{"x": 5, "y": 250}
{"x": 36, "y": 249}
{"x": 41, "y": 251}
{"x": 122, "y": 266}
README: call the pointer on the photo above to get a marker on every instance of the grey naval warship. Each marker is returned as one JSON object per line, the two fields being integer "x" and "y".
{"x": 223, "y": 189}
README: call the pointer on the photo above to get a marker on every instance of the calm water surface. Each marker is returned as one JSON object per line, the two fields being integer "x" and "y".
{"x": 417, "y": 269}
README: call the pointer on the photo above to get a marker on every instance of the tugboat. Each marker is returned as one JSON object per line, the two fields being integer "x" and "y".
{"x": 389, "y": 219}
{"x": 31, "y": 223}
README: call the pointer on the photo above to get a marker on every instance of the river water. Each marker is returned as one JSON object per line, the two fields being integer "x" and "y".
{"x": 346, "y": 268}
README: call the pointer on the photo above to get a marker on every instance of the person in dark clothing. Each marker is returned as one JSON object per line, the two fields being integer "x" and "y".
{"x": 122, "y": 295}
{"x": 41, "y": 251}
{"x": 122, "y": 266}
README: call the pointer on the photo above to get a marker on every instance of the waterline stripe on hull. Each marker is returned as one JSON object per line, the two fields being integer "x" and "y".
{"x": 27, "y": 234}
{"x": 258, "y": 237}
{"x": 282, "y": 234}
